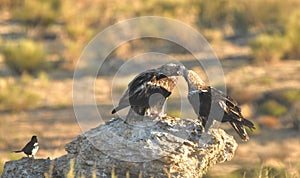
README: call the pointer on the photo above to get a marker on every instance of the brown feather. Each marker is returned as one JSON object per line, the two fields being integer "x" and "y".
{"x": 167, "y": 83}
{"x": 197, "y": 82}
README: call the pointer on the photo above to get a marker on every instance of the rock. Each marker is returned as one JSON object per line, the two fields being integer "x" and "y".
{"x": 26, "y": 167}
{"x": 161, "y": 147}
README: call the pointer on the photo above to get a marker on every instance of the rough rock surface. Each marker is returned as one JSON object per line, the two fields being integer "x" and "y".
{"x": 26, "y": 167}
{"x": 161, "y": 147}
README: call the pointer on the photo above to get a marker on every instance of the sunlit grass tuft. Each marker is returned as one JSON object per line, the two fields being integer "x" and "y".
{"x": 36, "y": 12}
{"x": 71, "y": 171}
{"x": 24, "y": 56}
{"x": 255, "y": 171}
{"x": 113, "y": 174}
{"x": 1, "y": 166}
{"x": 290, "y": 96}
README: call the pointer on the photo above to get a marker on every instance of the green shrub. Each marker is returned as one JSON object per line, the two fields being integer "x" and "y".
{"x": 214, "y": 13}
{"x": 25, "y": 56}
{"x": 35, "y": 12}
{"x": 268, "y": 48}
{"x": 16, "y": 96}
{"x": 272, "y": 47}
{"x": 244, "y": 16}
{"x": 290, "y": 96}
{"x": 293, "y": 35}
{"x": 273, "y": 108}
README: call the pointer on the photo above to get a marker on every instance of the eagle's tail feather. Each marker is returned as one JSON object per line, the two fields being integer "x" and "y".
{"x": 239, "y": 128}
{"x": 248, "y": 124}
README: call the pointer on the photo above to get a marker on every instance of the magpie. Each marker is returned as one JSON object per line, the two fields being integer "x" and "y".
{"x": 30, "y": 148}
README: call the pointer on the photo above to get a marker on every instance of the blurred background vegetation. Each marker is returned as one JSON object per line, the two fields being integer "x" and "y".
{"x": 269, "y": 24}
{"x": 257, "y": 41}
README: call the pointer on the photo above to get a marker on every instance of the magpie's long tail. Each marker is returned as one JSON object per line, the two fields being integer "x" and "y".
{"x": 17, "y": 151}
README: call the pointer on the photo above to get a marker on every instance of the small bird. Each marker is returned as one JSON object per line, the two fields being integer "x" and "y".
{"x": 31, "y": 147}
{"x": 150, "y": 89}
{"x": 203, "y": 98}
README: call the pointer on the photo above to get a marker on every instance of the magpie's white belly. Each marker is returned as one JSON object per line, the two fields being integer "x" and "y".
{"x": 35, "y": 149}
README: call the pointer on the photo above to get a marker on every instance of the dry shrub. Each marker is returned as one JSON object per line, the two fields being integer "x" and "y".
{"x": 273, "y": 108}
{"x": 24, "y": 56}
{"x": 37, "y": 12}
{"x": 269, "y": 122}
{"x": 268, "y": 48}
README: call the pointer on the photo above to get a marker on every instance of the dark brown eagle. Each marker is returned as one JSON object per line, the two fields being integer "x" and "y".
{"x": 205, "y": 98}
{"x": 150, "y": 89}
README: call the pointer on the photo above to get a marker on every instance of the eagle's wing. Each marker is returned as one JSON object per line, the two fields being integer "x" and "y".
{"x": 137, "y": 90}
{"x": 232, "y": 113}
{"x": 229, "y": 105}
{"x": 147, "y": 83}
{"x": 158, "y": 84}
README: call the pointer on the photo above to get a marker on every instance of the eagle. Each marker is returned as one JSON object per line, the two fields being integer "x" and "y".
{"x": 147, "y": 92}
{"x": 203, "y": 98}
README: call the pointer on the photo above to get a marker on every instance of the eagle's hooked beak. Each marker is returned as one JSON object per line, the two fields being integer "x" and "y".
{"x": 181, "y": 70}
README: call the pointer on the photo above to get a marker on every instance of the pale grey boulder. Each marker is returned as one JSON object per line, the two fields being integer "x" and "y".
{"x": 162, "y": 147}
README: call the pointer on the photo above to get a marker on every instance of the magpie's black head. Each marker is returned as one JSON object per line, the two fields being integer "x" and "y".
{"x": 34, "y": 138}
{"x": 172, "y": 69}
